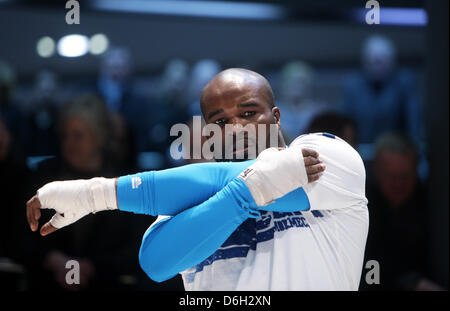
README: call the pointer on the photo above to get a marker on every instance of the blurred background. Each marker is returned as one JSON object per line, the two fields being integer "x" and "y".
{"x": 98, "y": 98}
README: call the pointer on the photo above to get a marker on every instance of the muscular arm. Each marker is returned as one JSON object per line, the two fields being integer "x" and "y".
{"x": 177, "y": 243}
{"x": 180, "y": 242}
{"x": 165, "y": 192}
{"x": 171, "y": 191}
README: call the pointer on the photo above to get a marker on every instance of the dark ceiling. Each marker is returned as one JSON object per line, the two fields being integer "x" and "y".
{"x": 314, "y": 31}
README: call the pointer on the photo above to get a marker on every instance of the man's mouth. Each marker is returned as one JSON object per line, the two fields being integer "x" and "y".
{"x": 240, "y": 146}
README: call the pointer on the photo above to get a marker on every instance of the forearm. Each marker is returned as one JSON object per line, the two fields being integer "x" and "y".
{"x": 294, "y": 201}
{"x": 182, "y": 241}
{"x": 170, "y": 191}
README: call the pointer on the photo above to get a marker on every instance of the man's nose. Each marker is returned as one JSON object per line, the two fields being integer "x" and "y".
{"x": 237, "y": 126}
{"x": 238, "y": 122}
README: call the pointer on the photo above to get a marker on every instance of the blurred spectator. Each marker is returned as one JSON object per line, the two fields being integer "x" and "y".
{"x": 171, "y": 105}
{"x": 105, "y": 245}
{"x": 9, "y": 111}
{"x": 116, "y": 86}
{"x": 336, "y": 124}
{"x": 42, "y": 114}
{"x": 297, "y": 103}
{"x": 13, "y": 174}
{"x": 202, "y": 72}
{"x": 382, "y": 97}
{"x": 173, "y": 84}
{"x": 114, "y": 76}
{"x": 398, "y": 206}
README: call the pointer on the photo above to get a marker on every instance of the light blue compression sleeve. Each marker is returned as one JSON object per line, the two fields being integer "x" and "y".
{"x": 168, "y": 192}
{"x": 177, "y": 243}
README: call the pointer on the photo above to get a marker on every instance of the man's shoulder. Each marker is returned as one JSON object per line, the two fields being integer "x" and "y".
{"x": 316, "y": 139}
{"x": 343, "y": 182}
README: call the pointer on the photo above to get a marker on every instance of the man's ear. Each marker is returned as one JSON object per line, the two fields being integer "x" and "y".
{"x": 276, "y": 115}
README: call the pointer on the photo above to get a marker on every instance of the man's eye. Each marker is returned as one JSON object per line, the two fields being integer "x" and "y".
{"x": 220, "y": 122}
{"x": 249, "y": 113}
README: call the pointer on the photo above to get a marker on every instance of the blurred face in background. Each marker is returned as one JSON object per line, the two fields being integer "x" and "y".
{"x": 45, "y": 86}
{"x": 297, "y": 88}
{"x": 81, "y": 148}
{"x": 202, "y": 72}
{"x": 378, "y": 58}
{"x": 175, "y": 77}
{"x": 296, "y": 82}
{"x": 396, "y": 174}
{"x": 116, "y": 64}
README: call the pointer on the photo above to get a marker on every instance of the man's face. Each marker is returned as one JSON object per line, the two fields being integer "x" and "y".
{"x": 396, "y": 175}
{"x": 239, "y": 103}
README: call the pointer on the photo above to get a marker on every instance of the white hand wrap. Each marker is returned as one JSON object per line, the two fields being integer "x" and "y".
{"x": 74, "y": 199}
{"x": 274, "y": 174}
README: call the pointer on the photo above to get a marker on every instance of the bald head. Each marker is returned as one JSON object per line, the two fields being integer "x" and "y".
{"x": 235, "y": 81}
